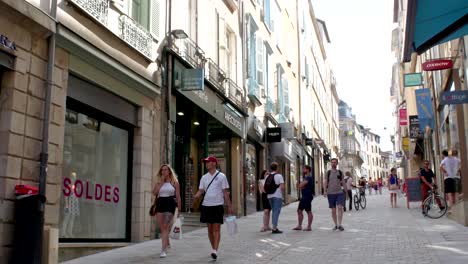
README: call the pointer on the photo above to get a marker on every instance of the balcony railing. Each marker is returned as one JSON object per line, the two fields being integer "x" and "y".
{"x": 235, "y": 94}
{"x": 215, "y": 75}
{"x": 98, "y": 9}
{"x": 189, "y": 51}
{"x": 136, "y": 35}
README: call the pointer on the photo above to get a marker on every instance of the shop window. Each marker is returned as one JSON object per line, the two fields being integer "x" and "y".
{"x": 95, "y": 182}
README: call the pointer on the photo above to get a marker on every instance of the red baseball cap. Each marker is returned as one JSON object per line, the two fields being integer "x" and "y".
{"x": 210, "y": 159}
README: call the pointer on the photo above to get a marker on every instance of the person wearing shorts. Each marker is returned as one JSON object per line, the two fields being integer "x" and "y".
{"x": 334, "y": 185}
{"x": 307, "y": 187}
{"x": 265, "y": 202}
{"x": 216, "y": 188}
{"x": 450, "y": 167}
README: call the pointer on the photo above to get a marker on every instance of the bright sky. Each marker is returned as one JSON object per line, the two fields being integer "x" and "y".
{"x": 360, "y": 34}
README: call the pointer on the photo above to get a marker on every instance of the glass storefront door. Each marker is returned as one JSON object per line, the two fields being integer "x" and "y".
{"x": 251, "y": 167}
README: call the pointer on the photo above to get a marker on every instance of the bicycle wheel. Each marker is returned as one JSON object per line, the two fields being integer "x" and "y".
{"x": 435, "y": 207}
{"x": 363, "y": 202}
{"x": 356, "y": 202}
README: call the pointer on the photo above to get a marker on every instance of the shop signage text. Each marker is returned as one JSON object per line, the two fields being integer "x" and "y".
{"x": 415, "y": 131}
{"x": 435, "y": 65}
{"x": 193, "y": 80}
{"x": 88, "y": 191}
{"x": 232, "y": 120}
{"x": 412, "y": 79}
{"x": 424, "y": 106}
{"x": 273, "y": 134}
{"x": 454, "y": 97}
{"x": 403, "y": 117}
{"x": 5, "y": 42}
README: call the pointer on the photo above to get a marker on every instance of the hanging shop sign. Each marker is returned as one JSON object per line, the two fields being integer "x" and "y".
{"x": 424, "y": 106}
{"x": 435, "y": 65}
{"x": 273, "y": 134}
{"x": 406, "y": 144}
{"x": 454, "y": 97}
{"x": 403, "y": 117}
{"x": 193, "y": 80}
{"x": 6, "y": 43}
{"x": 415, "y": 132}
{"x": 412, "y": 79}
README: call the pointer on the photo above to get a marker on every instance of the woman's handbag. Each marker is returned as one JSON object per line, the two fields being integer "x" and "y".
{"x": 152, "y": 211}
{"x": 393, "y": 187}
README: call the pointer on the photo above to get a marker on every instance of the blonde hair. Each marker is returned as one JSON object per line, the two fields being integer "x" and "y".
{"x": 171, "y": 173}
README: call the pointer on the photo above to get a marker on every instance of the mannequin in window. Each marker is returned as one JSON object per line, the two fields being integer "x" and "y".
{"x": 71, "y": 210}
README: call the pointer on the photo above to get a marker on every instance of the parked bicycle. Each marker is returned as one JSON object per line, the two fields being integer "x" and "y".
{"x": 434, "y": 206}
{"x": 360, "y": 198}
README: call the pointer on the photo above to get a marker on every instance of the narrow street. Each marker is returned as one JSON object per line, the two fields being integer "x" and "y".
{"x": 378, "y": 234}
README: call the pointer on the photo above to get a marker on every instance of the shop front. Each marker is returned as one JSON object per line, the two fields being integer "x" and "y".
{"x": 205, "y": 125}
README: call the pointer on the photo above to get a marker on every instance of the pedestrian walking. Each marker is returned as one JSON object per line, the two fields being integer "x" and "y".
{"x": 265, "y": 202}
{"x": 349, "y": 186}
{"x": 167, "y": 191}
{"x": 215, "y": 190}
{"x": 380, "y": 185}
{"x": 450, "y": 166}
{"x": 393, "y": 187}
{"x": 370, "y": 185}
{"x": 334, "y": 185}
{"x": 274, "y": 187}
{"x": 307, "y": 187}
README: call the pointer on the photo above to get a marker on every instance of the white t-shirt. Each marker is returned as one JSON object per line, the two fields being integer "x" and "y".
{"x": 451, "y": 165}
{"x": 215, "y": 194}
{"x": 278, "y": 180}
{"x": 349, "y": 183}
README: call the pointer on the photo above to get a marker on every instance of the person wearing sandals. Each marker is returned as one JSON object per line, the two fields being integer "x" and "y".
{"x": 167, "y": 191}
{"x": 216, "y": 188}
{"x": 334, "y": 185}
{"x": 307, "y": 187}
{"x": 265, "y": 202}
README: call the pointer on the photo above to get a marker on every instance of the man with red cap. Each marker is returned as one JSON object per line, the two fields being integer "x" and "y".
{"x": 215, "y": 187}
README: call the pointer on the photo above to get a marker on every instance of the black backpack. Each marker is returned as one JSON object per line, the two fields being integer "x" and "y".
{"x": 270, "y": 186}
{"x": 340, "y": 175}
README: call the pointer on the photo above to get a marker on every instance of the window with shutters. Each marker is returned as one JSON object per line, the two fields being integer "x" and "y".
{"x": 260, "y": 60}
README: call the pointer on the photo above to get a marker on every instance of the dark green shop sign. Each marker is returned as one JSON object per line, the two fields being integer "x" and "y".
{"x": 193, "y": 80}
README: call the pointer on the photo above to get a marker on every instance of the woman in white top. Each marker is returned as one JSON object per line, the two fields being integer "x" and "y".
{"x": 265, "y": 202}
{"x": 168, "y": 197}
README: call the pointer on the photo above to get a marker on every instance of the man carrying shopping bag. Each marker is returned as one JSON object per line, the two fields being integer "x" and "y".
{"x": 215, "y": 187}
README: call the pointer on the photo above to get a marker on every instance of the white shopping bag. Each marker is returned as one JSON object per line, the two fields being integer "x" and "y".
{"x": 231, "y": 225}
{"x": 176, "y": 230}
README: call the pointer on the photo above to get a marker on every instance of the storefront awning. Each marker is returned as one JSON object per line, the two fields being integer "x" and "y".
{"x": 432, "y": 22}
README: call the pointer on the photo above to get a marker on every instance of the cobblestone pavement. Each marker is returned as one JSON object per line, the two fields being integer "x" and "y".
{"x": 378, "y": 234}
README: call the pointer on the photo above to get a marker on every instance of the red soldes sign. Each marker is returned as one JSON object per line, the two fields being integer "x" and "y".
{"x": 435, "y": 65}
{"x": 403, "y": 117}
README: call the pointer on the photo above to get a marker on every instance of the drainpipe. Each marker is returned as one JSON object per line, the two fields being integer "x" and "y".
{"x": 44, "y": 156}
{"x": 246, "y": 119}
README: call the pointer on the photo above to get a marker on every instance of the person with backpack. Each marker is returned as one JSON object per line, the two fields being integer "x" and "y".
{"x": 265, "y": 202}
{"x": 307, "y": 187}
{"x": 334, "y": 185}
{"x": 274, "y": 187}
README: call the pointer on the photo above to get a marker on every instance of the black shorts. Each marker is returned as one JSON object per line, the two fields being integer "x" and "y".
{"x": 450, "y": 185}
{"x": 265, "y": 202}
{"x": 166, "y": 205}
{"x": 212, "y": 214}
{"x": 305, "y": 204}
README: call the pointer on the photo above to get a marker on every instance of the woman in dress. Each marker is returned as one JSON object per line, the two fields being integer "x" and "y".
{"x": 393, "y": 187}
{"x": 265, "y": 202}
{"x": 167, "y": 191}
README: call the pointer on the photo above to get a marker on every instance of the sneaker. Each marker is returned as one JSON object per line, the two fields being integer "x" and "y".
{"x": 214, "y": 255}
{"x": 163, "y": 255}
{"x": 276, "y": 231}
{"x": 335, "y": 228}
{"x": 341, "y": 228}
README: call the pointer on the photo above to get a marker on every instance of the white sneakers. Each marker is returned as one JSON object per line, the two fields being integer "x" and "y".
{"x": 163, "y": 254}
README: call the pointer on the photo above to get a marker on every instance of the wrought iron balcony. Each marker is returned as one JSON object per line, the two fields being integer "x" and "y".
{"x": 189, "y": 51}
{"x": 235, "y": 94}
{"x": 97, "y": 9}
{"x": 215, "y": 75}
{"x": 136, "y": 35}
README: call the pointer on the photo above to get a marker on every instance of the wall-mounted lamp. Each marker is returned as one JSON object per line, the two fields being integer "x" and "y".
{"x": 179, "y": 34}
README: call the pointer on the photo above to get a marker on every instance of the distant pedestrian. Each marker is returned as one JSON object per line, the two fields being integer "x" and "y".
{"x": 450, "y": 166}
{"x": 370, "y": 185}
{"x": 215, "y": 186}
{"x": 307, "y": 187}
{"x": 380, "y": 185}
{"x": 274, "y": 187}
{"x": 349, "y": 186}
{"x": 334, "y": 185}
{"x": 393, "y": 187}
{"x": 265, "y": 202}
{"x": 167, "y": 191}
